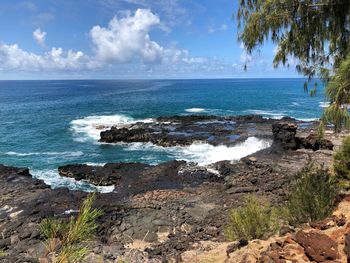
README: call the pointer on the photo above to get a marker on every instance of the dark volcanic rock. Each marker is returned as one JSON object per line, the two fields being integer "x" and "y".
{"x": 314, "y": 143}
{"x": 135, "y": 178}
{"x": 284, "y": 135}
{"x": 185, "y": 130}
{"x": 173, "y": 205}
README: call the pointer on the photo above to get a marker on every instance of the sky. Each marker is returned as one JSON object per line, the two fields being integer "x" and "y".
{"x": 127, "y": 39}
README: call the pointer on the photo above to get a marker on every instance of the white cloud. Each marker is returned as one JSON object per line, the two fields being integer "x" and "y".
{"x": 123, "y": 48}
{"x": 39, "y": 36}
{"x": 223, "y": 27}
{"x": 13, "y": 57}
{"x": 127, "y": 39}
{"x": 213, "y": 29}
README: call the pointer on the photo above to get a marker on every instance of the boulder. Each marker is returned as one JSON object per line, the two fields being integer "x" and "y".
{"x": 314, "y": 143}
{"x": 318, "y": 246}
{"x": 284, "y": 135}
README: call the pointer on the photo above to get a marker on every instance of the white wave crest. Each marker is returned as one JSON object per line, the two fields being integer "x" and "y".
{"x": 269, "y": 114}
{"x": 204, "y": 153}
{"x": 89, "y": 128}
{"x": 308, "y": 119}
{"x": 195, "y": 110}
{"x": 324, "y": 104}
{"x": 52, "y": 178}
{"x": 64, "y": 154}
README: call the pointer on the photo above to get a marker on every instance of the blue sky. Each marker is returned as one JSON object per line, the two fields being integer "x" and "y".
{"x": 136, "y": 39}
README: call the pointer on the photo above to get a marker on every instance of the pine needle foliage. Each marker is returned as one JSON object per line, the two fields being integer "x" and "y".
{"x": 315, "y": 33}
{"x": 71, "y": 235}
{"x": 254, "y": 220}
{"x": 313, "y": 195}
{"x": 338, "y": 92}
{"x": 341, "y": 163}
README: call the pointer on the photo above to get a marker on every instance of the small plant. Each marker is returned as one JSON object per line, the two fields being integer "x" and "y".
{"x": 313, "y": 195}
{"x": 320, "y": 130}
{"x": 252, "y": 221}
{"x": 2, "y": 253}
{"x": 65, "y": 240}
{"x": 341, "y": 164}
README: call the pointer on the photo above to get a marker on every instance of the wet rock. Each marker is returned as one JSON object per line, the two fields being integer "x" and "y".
{"x": 185, "y": 130}
{"x": 134, "y": 178}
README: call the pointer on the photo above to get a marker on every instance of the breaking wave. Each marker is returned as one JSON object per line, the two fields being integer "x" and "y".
{"x": 52, "y": 178}
{"x": 89, "y": 128}
{"x": 204, "y": 153}
{"x": 195, "y": 110}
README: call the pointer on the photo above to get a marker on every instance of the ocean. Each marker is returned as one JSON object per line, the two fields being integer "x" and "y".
{"x": 45, "y": 124}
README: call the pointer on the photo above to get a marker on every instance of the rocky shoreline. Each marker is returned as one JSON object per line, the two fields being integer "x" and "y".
{"x": 158, "y": 212}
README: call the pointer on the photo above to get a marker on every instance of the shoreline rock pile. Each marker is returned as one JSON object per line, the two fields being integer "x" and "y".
{"x": 159, "y": 212}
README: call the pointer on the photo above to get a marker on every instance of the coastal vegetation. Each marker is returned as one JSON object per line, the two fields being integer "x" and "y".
{"x": 313, "y": 196}
{"x": 254, "y": 220}
{"x": 311, "y": 35}
{"x": 342, "y": 161}
{"x": 65, "y": 241}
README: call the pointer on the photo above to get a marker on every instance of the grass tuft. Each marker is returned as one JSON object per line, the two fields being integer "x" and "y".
{"x": 67, "y": 240}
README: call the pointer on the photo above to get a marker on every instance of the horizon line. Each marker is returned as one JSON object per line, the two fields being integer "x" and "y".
{"x": 149, "y": 79}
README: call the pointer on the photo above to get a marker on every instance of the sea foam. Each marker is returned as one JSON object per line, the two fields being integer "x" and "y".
{"x": 269, "y": 114}
{"x": 52, "y": 178}
{"x": 64, "y": 154}
{"x": 195, "y": 110}
{"x": 89, "y": 128}
{"x": 324, "y": 104}
{"x": 204, "y": 153}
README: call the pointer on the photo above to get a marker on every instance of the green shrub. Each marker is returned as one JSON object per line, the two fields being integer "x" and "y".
{"x": 65, "y": 239}
{"x": 313, "y": 195}
{"x": 341, "y": 164}
{"x": 254, "y": 220}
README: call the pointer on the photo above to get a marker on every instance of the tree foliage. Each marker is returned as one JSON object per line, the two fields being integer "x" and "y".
{"x": 313, "y": 196}
{"x": 314, "y": 32}
{"x": 341, "y": 164}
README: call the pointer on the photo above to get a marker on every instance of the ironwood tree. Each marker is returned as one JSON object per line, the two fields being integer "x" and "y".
{"x": 314, "y": 32}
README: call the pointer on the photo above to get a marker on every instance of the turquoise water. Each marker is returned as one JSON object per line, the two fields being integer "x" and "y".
{"x": 45, "y": 124}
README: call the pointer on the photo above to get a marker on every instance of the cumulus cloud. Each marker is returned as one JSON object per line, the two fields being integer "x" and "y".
{"x": 127, "y": 39}
{"x": 12, "y": 57}
{"x": 125, "y": 45}
{"x": 39, "y": 36}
